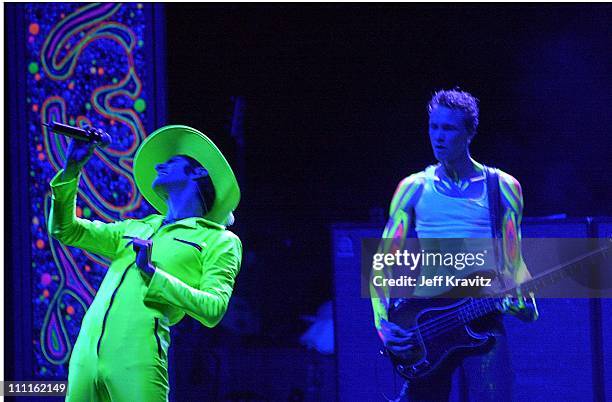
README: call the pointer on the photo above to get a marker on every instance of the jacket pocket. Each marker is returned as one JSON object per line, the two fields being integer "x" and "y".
{"x": 192, "y": 244}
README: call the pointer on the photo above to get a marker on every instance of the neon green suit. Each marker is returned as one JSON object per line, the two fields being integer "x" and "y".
{"x": 121, "y": 353}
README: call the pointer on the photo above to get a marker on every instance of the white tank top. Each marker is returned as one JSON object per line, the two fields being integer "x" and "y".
{"x": 439, "y": 216}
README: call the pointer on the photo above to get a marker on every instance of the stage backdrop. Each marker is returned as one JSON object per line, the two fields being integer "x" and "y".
{"x": 96, "y": 64}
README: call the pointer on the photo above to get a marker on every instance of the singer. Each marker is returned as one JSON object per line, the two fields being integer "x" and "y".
{"x": 180, "y": 261}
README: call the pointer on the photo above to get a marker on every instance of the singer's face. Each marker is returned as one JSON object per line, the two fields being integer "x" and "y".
{"x": 171, "y": 175}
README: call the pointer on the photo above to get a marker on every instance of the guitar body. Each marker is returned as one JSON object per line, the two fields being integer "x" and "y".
{"x": 439, "y": 330}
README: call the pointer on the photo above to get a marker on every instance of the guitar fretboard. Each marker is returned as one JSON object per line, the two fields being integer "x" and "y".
{"x": 478, "y": 308}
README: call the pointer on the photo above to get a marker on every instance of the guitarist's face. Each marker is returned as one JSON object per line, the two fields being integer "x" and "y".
{"x": 448, "y": 134}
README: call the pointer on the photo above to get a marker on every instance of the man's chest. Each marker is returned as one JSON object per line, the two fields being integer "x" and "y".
{"x": 179, "y": 251}
{"x": 465, "y": 189}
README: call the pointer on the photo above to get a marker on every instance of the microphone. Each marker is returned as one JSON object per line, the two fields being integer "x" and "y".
{"x": 90, "y": 135}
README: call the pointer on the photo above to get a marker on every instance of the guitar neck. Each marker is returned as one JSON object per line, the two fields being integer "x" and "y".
{"x": 479, "y": 308}
{"x": 562, "y": 271}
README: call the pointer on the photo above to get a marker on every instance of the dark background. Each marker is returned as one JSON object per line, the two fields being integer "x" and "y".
{"x": 335, "y": 117}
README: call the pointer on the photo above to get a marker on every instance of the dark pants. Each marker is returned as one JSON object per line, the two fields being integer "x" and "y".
{"x": 485, "y": 375}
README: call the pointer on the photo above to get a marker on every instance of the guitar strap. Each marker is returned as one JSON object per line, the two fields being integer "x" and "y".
{"x": 495, "y": 208}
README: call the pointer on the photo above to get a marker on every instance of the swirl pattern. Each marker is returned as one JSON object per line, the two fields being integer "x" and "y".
{"x": 86, "y": 65}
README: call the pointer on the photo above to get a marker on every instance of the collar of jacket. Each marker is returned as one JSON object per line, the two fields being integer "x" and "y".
{"x": 193, "y": 222}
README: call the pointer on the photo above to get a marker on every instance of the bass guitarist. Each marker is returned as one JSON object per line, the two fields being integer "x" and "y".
{"x": 452, "y": 200}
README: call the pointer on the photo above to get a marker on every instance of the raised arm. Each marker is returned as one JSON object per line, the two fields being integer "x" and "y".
{"x": 97, "y": 237}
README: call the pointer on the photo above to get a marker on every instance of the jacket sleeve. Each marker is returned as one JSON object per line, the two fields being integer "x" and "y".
{"x": 93, "y": 236}
{"x": 208, "y": 303}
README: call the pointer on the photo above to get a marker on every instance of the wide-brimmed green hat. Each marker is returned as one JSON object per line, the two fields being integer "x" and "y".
{"x": 169, "y": 141}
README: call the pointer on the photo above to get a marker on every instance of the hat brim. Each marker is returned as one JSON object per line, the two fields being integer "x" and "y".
{"x": 169, "y": 141}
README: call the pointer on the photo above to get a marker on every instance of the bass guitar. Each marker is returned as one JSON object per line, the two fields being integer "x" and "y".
{"x": 442, "y": 327}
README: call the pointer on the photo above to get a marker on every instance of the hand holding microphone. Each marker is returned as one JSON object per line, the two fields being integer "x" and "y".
{"x": 87, "y": 134}
{"x": 81, "y": 148}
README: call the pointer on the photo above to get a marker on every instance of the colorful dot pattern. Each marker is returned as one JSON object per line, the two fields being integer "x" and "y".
{"x": 85, "y": 64}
